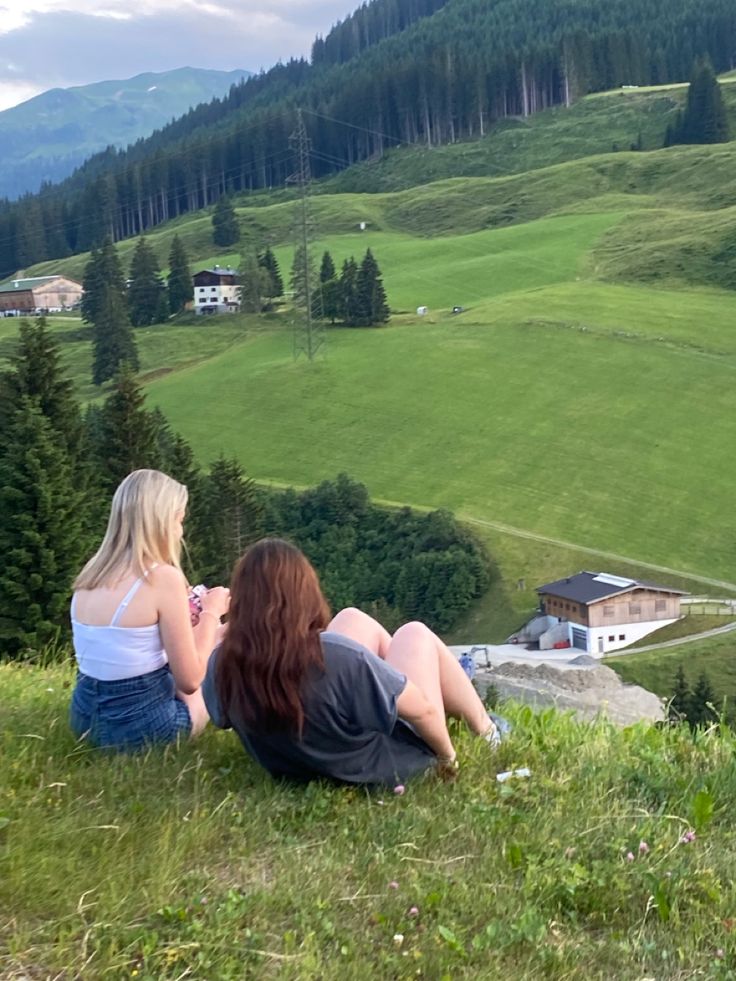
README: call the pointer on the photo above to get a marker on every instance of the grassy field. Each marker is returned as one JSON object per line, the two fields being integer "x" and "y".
{"x": 190, "y": 862}
{"x": 656, "y": 670}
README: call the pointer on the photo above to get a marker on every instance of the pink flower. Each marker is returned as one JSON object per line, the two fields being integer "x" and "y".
{"x": 399, "y": 789}
{"x": 629, "y": 856}
{"x": 643, "y": 848}
{"x": 414, "y": 911}
{"x": 393, "y": 885}
{"x": 687, "y": 838}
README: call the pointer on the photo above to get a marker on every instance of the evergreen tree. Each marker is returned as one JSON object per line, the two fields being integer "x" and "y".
{"x": 255, "y": 284}
{"x": 371, "y": 304}
{"x": 225, "y": 229}
{"x": 105, "y": 306}
{"x": 705, "y": 119}
{"x": 348, "y": 296}
{"x": 304, "y": 282}
{"x": 681, "y": 696}
{"x": 228, "y": 517}
{"x": 41, "y": 533}
{"x": 701, "y": 700}
{"x": 147, "y": 301}
{"x": 268, "y": 261}
{"x": 37, "y": 373}
{"x": 127, "y": 434}
{"x": 331, "y": 299}
{"x": 181, "y": 290}
{"x": 326, "y": 269}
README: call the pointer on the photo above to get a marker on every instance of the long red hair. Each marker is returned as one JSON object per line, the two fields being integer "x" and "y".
{"x": 277, "y": 611}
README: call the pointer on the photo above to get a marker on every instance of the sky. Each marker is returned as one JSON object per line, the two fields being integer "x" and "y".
{"x": 50, "y": 43}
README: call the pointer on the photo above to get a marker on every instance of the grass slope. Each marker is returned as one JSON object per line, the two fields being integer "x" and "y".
{"x": 226, "y": 874}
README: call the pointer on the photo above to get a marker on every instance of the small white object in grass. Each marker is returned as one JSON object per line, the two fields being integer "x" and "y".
{"x": 521, "y": 772}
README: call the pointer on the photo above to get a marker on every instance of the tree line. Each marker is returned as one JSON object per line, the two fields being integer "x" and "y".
{"x": 437, "y": 77}
{"x": 59, "y": 465}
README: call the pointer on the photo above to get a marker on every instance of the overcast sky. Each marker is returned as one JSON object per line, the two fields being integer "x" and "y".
{"x": 48, "y": 43}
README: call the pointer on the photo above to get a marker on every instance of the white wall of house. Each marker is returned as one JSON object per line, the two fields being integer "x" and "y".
{"x": 222, "y": 296}
{"x": 598, "y": 639}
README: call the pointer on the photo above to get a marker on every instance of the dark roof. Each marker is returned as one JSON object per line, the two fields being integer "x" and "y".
{"x": 219, "y": 271}
{"x": 589, "y": 587}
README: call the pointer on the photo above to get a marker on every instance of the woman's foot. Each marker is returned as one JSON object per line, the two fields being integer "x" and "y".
{"x": 498, "y": 729}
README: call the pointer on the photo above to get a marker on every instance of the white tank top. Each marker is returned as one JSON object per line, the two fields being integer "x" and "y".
{"x": 112, "y": 653}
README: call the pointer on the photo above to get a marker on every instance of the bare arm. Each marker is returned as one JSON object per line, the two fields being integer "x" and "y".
{"x": 187, "y": 651}
{"x": 430, "y": 724}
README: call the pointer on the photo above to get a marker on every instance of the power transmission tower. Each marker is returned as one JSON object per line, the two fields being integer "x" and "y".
{"x": 309, "y": 334}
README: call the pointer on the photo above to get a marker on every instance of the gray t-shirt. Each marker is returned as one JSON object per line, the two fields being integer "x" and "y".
{"x": 351, "y": 730}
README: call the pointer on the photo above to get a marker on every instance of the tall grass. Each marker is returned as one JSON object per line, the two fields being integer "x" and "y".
{"x": 189, "y": 862}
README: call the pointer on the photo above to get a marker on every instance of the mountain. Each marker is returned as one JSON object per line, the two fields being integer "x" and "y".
{"x": 440, "y": 74}
{"x": 45, "y": 138}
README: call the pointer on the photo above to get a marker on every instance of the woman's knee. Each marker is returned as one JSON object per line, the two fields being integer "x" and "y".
{"x": 415, "y": 633}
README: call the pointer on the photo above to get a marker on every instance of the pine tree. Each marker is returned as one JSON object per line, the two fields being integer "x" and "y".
{"x": 705, "y": 119}
{"x": 225, "y": 229}
{"x": 681, "y": 696}
{"x": 348, "y": 299}
{"x": 147, "y": 302}
{"x": 302, "y": 274}
{"x": 228, "y": 517}
{"x": 127, "y": 433}
{"x": 255, "y": 284}
{"x": 41, "y": 534}
{"x": 181, "y": 290}
{"x": 37, "y": 373}
{"x": 105, "y": 306}
{"x": 370, "y": 294}
{"x": 268, "y": 261}
{"x": 326, "y": 269}
{"x": 701, "y": 699}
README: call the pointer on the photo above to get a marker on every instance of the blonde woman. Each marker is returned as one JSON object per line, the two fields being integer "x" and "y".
{"x": 141, "y": 663}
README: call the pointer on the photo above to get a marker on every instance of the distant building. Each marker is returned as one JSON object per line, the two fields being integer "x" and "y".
{"x": 39, "y": 294}
{"x": 604, "y": 613}
{"x": 216, "y": 290}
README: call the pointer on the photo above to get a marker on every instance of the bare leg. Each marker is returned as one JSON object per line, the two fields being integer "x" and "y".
{"x": 197, "y": 710}
{"x": 359, "y": 626}
{"x": 424, "y": 659}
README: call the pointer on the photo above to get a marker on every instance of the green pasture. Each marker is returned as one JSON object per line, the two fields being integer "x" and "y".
{"x": 612, "y": 442}
{"x": 656, "y": 670}
{"x": 189, "y": 862}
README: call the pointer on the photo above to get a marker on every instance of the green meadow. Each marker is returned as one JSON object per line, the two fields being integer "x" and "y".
{"x": 190, "y": 862}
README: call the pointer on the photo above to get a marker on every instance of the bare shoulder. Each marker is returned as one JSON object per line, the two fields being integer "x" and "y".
{"x": 166, "y": 577}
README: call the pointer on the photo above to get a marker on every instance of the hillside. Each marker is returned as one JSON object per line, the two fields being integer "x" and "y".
{"x": 47, "y": 137}
{"x": 579, "y": 872}
{"x": 442, "y": 76}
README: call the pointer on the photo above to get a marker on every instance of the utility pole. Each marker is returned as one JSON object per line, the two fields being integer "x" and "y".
{"x": 308, "y": 330}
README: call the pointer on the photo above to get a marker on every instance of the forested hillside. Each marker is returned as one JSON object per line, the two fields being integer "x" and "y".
{"x": 398, "y": 71}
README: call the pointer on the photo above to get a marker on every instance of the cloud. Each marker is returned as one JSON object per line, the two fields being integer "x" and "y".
{"x": 49, "y": 44}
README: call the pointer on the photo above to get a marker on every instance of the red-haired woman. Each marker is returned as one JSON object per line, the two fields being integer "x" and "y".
{"x": 338, "y": 698}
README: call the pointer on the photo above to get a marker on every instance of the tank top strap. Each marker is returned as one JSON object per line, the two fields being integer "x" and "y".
{"x": 126, "y": 599}
{"x": 74, "y": 606}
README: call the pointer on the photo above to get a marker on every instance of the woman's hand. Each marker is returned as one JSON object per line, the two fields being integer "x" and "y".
{"x": 216, "y": 601}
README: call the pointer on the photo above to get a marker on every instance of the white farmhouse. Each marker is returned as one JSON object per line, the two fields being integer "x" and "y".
{"x": 603, "y": 613}
{"x": 216, "y": 290}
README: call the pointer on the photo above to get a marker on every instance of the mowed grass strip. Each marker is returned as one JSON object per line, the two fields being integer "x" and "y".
{"x": 191, "y": 862}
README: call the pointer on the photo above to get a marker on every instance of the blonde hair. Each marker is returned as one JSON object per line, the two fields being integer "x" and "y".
{"x": 141, "y": 529}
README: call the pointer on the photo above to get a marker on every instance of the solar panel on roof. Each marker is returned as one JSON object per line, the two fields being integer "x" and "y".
{"x": 613, "y": 580}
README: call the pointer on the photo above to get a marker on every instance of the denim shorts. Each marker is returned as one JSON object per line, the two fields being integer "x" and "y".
{"x": 130, "y": 713}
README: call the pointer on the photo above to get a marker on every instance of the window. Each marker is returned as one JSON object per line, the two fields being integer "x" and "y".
{"x": 660, "y": 605}
{"x": 201, "y": 289}
{"x": 567, "y": 606}
{"x": 634, "y": 609}
{"x": 607, "y": 611}
{"x": 622, "y": 636}
{"x": 213, "y": 289}
{"x": 611, "y": 638}
{"x": 203, "y": 299}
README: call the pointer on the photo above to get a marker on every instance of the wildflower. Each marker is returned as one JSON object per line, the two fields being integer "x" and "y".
{"x": 643, "y": 848}
{"x": 414, "y": 911}
{"x": 629, "y": 856}
{"x": 719, "y": 953}
{"x": 570, "y": 852}
{"x": 688, "y": 837}
{"x": 393, "y": 884}
{"x": 398, "y": 939}
{"x": 399, "y": 789}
